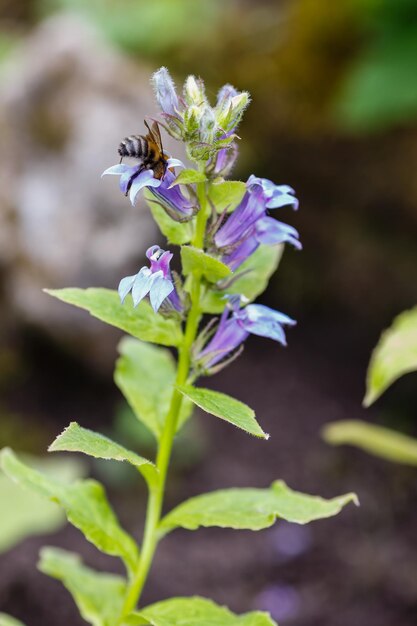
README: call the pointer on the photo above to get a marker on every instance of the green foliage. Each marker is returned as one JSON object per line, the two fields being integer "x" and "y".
{"x": 253, "y": 509}
{"x": 382, "y": 442}
{"x": 99, "y": 597}
{"x": 77, "y": 439}
{"x": 146, "y": 28}
{"x": 199, "y": 262}
{"x": 177, "y": 233}
{"x": 25, "y": 513}
{"x": 6, "y": 620}
{"x": 196, "y": 611}
{"x": 225, "y": 407}
{"x": 381, "y": 89}
{"x": 189, "y": 177}
{"x": 394, "y": 355}
{"x": 145, "y": 375}
{"x": 254, "y": 274}
{"x": 85, "y": 505}
{"x": 226, "y": 195}
{"x": 141, "y": 322}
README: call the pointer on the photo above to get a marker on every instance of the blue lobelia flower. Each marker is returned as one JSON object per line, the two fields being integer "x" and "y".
{"x": 235, "y": 325}
{"x": 249, "y": 225}
{"x": 176, "y": 204}
{"x": 155, "y": 281}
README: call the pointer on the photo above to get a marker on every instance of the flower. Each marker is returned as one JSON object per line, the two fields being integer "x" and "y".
{"x": 156, "y": 281}
{"x": 249, "y": 225}
{"x": 134, "y": 178}
{"x": 235, "y": 325}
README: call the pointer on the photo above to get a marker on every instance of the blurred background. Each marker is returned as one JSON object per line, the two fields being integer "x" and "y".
{"x": 334, "y": 114}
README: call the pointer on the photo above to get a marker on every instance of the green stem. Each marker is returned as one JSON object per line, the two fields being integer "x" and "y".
{"x": 157, "y": 492}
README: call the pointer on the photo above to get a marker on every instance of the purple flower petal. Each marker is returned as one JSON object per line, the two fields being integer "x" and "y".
{"x": 160, "y": 260}
{"x": 144, "y": 179}
{"x": 126, "y": 176}
{"x": 271, "y": 232}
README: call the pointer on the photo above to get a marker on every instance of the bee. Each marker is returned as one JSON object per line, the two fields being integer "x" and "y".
{"x": 148, "y": 149}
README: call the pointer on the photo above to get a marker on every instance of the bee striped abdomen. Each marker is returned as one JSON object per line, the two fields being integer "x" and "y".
{"x": 134, "y": 146}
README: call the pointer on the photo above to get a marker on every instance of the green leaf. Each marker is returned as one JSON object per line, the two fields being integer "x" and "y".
{"x": 394, "y": 355}
{"x": 7, "y": 620}
{"x": 382, "y": 442}
{"x": 195, "y": 260}
{"x": 177, "y": 233}
{"x": 197, "y": 611}
{"x": 252, "y": 509}
{"x": 146, "y": 375}
{"x": 364, "y": 102}
{"x": 85, "y": 505}
{"x": 141, "y": 322}
{"x": 99, "y": 597}
{"x": 226, "y": 195}
{"x": 30, "y": 514}
{"x": 77, "y": 439}
{"x": 188, "y": 177}
{"x": 225, "y": 407}
{"x": 255, "y": 274}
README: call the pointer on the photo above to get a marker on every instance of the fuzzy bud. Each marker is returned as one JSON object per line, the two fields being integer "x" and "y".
{"x": 230, "y": 107}
{"x": 165, "y": 92}
{"x": 208, "y": 126}
{"x": 194, "y": 91}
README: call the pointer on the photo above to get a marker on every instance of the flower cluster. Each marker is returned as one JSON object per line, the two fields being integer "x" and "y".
{"x": 249, "y": 225}
{"x": 208, "y": 133}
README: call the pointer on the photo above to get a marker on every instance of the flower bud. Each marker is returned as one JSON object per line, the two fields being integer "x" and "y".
{"x": 165, "y": 92}
{"x": 194, "y": 91}
{"x": 230, "y": 107}
{"x": 192, "y": 117}
{"x": 208, "y": 125}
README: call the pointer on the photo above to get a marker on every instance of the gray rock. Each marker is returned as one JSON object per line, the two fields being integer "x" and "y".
{"x": 67, "y": 100}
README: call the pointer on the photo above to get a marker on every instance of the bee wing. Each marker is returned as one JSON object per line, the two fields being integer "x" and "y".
{"x": 154, "y": 134}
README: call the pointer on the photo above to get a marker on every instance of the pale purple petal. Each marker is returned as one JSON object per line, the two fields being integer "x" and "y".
{"x": 266, "y": 328}
{"x": 126, "y": 176}
{"x": 282, "y": 199}
{"x": 160, "y": 289}
{"x": 271, "y": 232}
{"x": 145, "y": 179}
{"x": 175, "y": 162}
{"x": 125, "y": 286}
{"x": 142, "y": 285}
{"x": 116, "y": 170}
{"x": 257, "y": 311}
